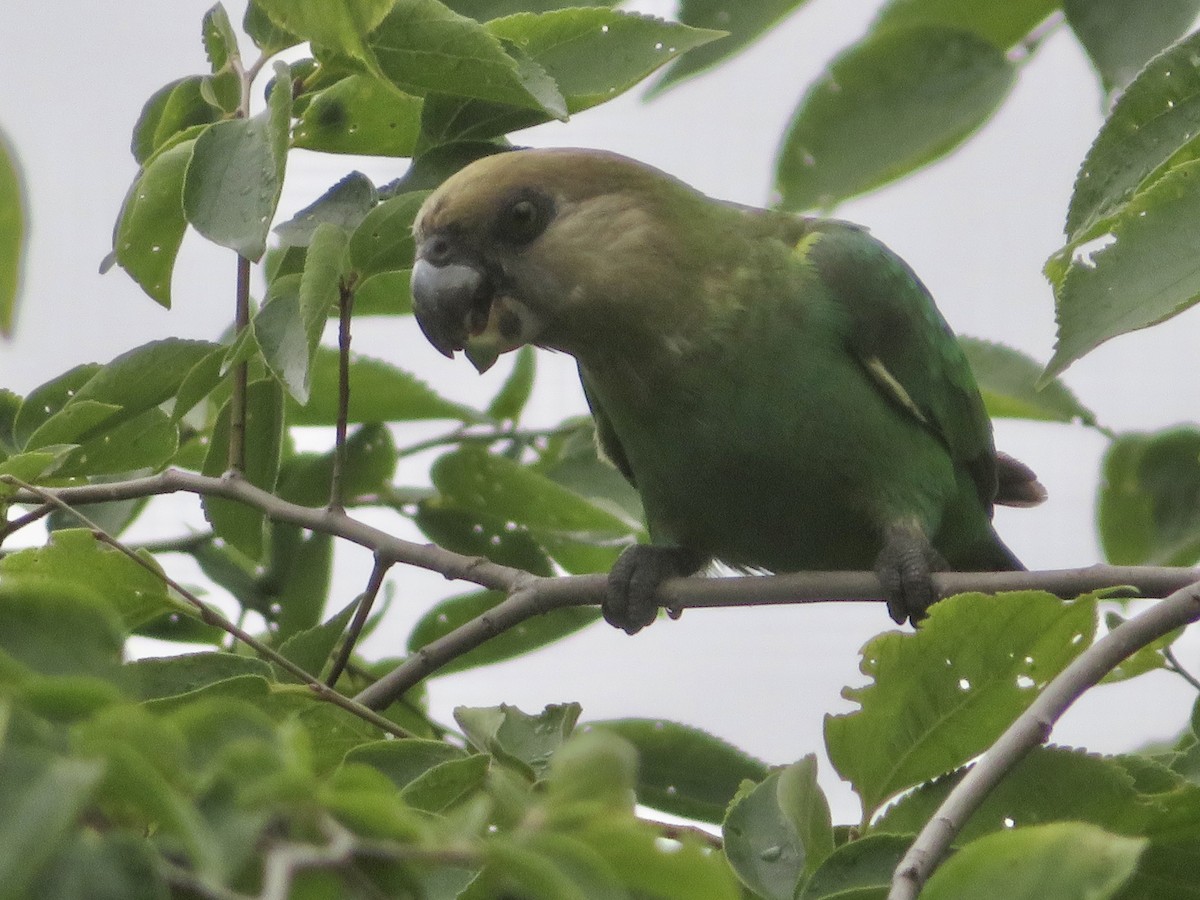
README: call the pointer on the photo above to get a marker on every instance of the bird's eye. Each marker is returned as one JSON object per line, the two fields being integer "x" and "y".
{"x": 524, "y": 219}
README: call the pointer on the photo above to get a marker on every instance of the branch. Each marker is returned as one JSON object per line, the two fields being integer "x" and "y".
{"x": 1033, "y": 727}
{"x": 365, "y": 601}
{"x": 241, "y": 373}
{"x": 345, "y": 307}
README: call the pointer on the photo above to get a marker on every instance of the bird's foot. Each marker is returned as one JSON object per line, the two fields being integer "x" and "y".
{"x": 905, "y": 567}
{"x": 634, "y": 579}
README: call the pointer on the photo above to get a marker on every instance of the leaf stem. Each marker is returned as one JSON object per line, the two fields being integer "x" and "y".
{"x": 241, "y": 374}
{"x": 365, "y": 602}
{"x": 345, "y": 307}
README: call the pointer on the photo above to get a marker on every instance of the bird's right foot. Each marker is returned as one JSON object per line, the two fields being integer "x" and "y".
{"x": 630, "y": 603}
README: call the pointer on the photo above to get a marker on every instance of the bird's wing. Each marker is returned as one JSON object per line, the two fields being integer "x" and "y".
{"x": 903, "y": 343}
{"x": 606, "y": 437}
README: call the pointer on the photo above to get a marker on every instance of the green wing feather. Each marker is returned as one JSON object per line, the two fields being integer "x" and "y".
{"x": 903, "y": 343}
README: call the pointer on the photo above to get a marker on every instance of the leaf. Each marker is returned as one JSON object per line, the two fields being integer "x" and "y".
{"x": 595, "y": 54}
{"x": 234, "y": 522}
{"x": 362, "y": 115}
{"x": 344, "y": 205}
{"x": 338, "y": 25}
{"x": 685, "y": 771}
{"x": 75, "y": 562}
{"x": 235, "y": 176}
{"x": 510, "y": 400}
{"x": 1139, "y": 273}
{"x": 1120, "y": 36}
{"x": 267, "y": 36}
{"x": 422, "y": 46}
{"x": 383, "y": 240}
{"x": 942, "y": 695}
{"x": 37, "y": 615}
{"x": 1149, "y": 500}
{"x": 1156, "y": 116}
{"x": 298, "y": 576}
{"x": 404, "y": 761}
{"x": 1064, "y": 860}
{"x": 761, "y": 844}
{"x": 170, "y": 676}
{"x": 483, "y": 10}
{"x": 580, "y": 535}
{"x": 148, "y": 441}
{"x": 1009, "y": 383}
{"x": 744, "y": 20}
{"x": 447, "y": 784}
{"x": 173, "y": 109}
{"x": 379, "y": 392}
{"x": 473, "y": 532}
{"x": 804, "y": 805}
{"x": 597, "y": 768}
{"x": 310, "y": 649}
{"x": 224, "y": 87}
{"x": 385, "y": 294}
{"x": 13, "y": 227}
{"x": 151, "y": 223}
{"x": 42, "y": 800}
{"x": 1050, "y": 783}
{"x": 890, "y": 104}
{"x": 858, "y": 870}
{"x": 96, "y": 866}
{"x": 45, "y": 400}
{"x": 509, "y": 734}
{"x": 370, "y": 460}
{"x": 1001, "y": 23}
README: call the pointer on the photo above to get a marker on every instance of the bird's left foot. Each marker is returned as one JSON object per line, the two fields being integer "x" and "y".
{"x": 905, "y": 567}
{"x": 630, "y": 604}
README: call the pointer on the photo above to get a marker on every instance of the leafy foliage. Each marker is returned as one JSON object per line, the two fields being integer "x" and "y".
{"x": 229, "y": 770}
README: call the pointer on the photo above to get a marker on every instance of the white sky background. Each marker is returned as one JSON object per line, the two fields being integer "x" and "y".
{"x": 976, "y": 227}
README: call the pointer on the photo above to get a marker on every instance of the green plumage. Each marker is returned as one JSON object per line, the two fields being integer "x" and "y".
{"x": 781, "y": 390}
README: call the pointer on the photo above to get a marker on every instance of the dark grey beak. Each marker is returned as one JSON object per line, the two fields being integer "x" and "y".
{"x": 450, "y": 301}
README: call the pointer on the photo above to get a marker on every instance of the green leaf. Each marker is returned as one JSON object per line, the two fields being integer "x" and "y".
{"x": 148, "y": 441}
{"x": 235, "y": 176}
{"x": 1155, "y": 118}
{"x": 1146, "y": 658}
{"x": 369, "y": 463}
{"x": 238, "y": 524}
{"x": 944, "y": 694}
{"x": 1120, "y": 36}
{"x": 683, "y": 770}
{"x": 404, "y": 761}
{"x": 170, "y": 676}
{"x": 1139, "y": 273}
{"x": 13, "y": 228}
{"x": 297, "y": 577}
{"x": 509, "y": 734}
{"x": 483, "y": 10}
{"x": 1001, "y": 23}
{"x": 361, "y": 115}
{"x": 338, "y": 25}
{"x": 595, "y": 54}
{"x": 75, "y": 562}
{"x": 115, "y": 865}
{"x": 151, "y": 223}
{"x": 1009, "y": 383}
{"x": 383, "y": 241}
{"x": 1050, "y": 783}
{"x": 744, "y": 20}
{"x": 344, "y": 205}
{"x": 45, "y": 400}
{"x": 580, "y": 535}
{"x": 379, "y": 392}
{"x": 37, "y": 616}
{"x": 473, "y": 532}
{"x": 510, "y": 400}
{"x": 530, "y": 635}
{"x": 172, "y": 109}
{"x": 224, "y": 87}
{"x": 890, "y": 104}
{"x": 71, "y": 423}
{"x": 422, "y": 46}
{"x": 267, "y": 36}
{"x": 446, "y": 784}
{"x": 385, "y": 294}
{"x": 1149, "y": 499}
{"x": 571, "y": 459}
{"x": 42, "y": 799}
{"x": 1063, "y": 860}
{"x": 858, "y": 870}
{"x": 804, "y": 805}
{"x": 310, "y": 649}
{"x": 761, "y": 843}
{"x": 596, "y": 767}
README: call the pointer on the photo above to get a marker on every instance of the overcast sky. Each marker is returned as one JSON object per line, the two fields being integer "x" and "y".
{"x": 976, "y": 227}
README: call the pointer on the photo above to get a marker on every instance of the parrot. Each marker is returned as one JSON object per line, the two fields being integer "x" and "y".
{"x": 780, "y": 389}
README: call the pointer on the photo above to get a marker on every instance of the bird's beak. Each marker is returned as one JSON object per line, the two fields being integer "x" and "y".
{"x": 458, "y": 309}
{"x": 450, "y": 302}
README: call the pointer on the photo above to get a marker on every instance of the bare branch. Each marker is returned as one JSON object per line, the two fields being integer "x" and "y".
{"x": 1033, "y": 727}
{"x": 365, "y": 602}
{"x": 345, "y": 306}
{"x": 241, "y": 373}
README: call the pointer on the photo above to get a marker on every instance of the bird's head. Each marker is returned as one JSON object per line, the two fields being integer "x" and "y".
{"x": 538, "y": 247}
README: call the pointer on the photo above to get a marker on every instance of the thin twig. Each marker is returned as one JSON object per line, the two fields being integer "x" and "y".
{"x": 365, "y": 602}
{"x": 1032, "y": 728}
{"x": 241, "y": 373}
{"x": 210, "y": 616}
{"x": 1177, "y": 667}
{"x": 345, "y": 307}
{"x": 12, "y": 527}
{"x": 675, "y": 832}
{"x": 462, "y": 436}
